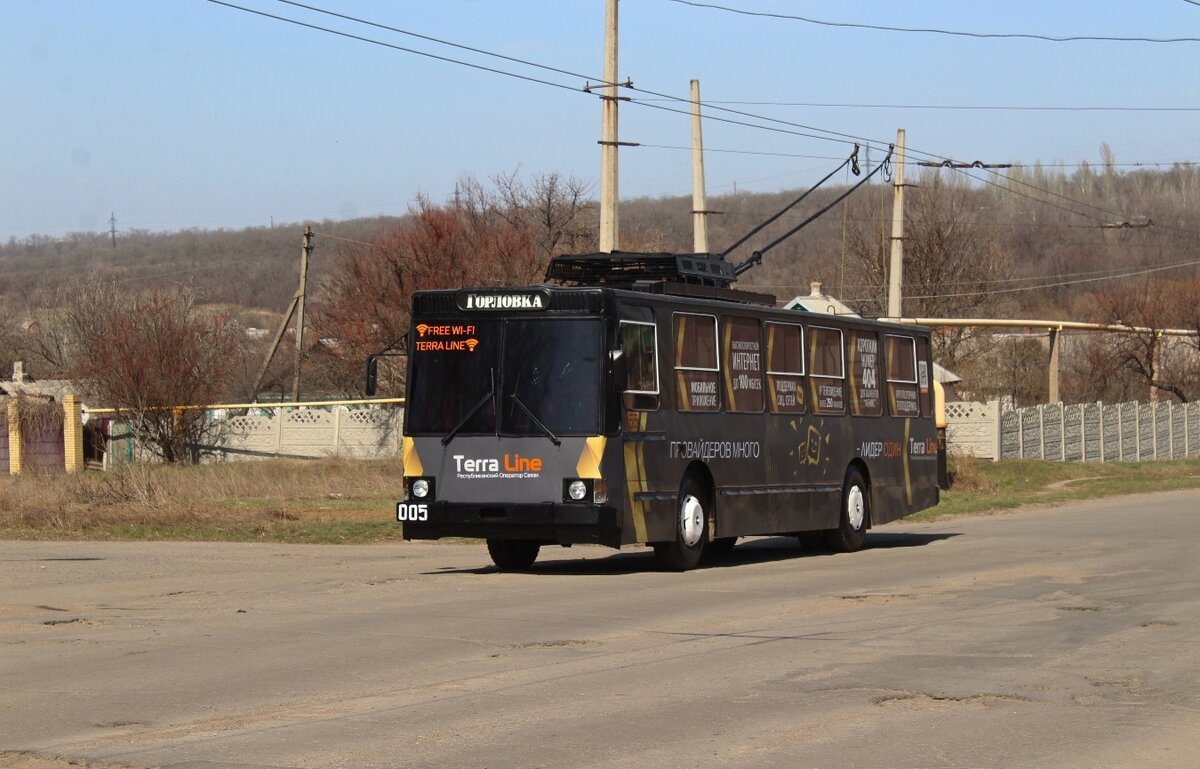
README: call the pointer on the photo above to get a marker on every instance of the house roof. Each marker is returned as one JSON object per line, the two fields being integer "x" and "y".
{"x": 819, "y": 301}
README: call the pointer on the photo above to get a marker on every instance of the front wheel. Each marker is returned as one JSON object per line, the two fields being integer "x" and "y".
{"x": 513, "y": 554}
{"x": 691, "y": 529}
{"x": 856, "y": 515}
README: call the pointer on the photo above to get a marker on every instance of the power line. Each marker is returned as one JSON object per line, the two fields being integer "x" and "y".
{"x": 687, "y": 112}
{"x": 937, "y": 31}
{"x": 393, "y": 46}
{"x": 955, "y": 107}
{"x": 1057, "y": 284}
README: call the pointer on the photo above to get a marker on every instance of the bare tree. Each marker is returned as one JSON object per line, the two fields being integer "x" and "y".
{"x": 950, "y": 263}
{"x": 367, "y": 299}
{"x": 148, "y": 354}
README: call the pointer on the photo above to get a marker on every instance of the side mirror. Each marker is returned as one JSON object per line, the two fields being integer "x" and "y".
{"x": 372, "y": 375}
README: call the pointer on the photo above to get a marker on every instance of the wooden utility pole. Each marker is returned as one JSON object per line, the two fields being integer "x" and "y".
{"x": 699, "y": 199}
{"x": 608, "y": 142}
{"x": 297, "y": 303}
{"x": 896, "y": 273}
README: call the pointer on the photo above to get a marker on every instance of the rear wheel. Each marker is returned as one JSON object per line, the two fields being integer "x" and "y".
{"x": 856, "y": 514}
{"x": 691, "y": 528}
{"x": 513, "y": 554}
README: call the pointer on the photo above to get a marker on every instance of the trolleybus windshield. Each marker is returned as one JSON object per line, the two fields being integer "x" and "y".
{"x": 548, "y": 375}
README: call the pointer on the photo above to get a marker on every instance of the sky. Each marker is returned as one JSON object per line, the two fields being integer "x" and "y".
{"x": 177, "y": 114}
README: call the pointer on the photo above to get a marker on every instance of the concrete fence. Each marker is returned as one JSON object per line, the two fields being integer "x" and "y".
{"x": 100, "y": 438}
{"x": 1095, "y": 432}
{"x": 1084, "y": 432}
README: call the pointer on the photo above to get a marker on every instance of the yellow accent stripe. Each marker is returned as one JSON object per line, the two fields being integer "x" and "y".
{"x": 635, "y": 480}
{"x": 728, "y": 347}
{"x": 412, "y": 462}
{"x": 904, "y": 453}
{"x": 588, "y": 465}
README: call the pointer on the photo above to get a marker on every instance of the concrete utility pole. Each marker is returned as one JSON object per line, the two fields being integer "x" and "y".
{"x": 297, "y": 302}
{"x": 896, "y": 273}
{"x": 305, "y": 250}
{"x": 699, "y": 200}
{"x": 1055, "y": 333}
{"x": 608, "y": 141}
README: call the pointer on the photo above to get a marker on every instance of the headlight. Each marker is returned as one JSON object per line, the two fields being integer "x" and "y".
{"x": 577, "y": 490}
{"x": 420, "y": 488}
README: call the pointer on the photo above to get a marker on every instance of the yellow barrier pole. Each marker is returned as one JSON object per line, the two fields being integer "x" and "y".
{"x": 72, "y": 434}
{"x": 14, "y": 435}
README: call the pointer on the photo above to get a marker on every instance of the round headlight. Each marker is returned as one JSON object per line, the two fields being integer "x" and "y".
{"x": 420, "y": 488}
{"x": 577, "y": 490}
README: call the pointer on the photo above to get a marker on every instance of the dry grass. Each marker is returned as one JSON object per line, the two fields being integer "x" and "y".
{"x": 325, "y": 500}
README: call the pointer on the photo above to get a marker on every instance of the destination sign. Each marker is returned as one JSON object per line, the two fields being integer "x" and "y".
{"x": 526, "y": 300}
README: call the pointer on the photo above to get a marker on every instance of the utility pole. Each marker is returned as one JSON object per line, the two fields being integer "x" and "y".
{"x": 297, "y": 302}
{"x": 699, "y": 200}
{"x": 112, "y": 227}
{"x": 305, "y": 250}
{"x": 896, "y": 273}
{"x": 608, "y": 142}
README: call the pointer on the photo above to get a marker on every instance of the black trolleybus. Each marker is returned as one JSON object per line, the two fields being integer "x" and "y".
{"x": 640, "y": 400}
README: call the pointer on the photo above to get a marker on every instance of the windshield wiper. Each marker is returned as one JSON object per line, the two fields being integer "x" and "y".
{"x": 474, "y": 410}
{"x": 535, "y": 420}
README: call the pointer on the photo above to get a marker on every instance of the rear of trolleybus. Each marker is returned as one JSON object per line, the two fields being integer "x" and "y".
{"x": 504, "y": 421}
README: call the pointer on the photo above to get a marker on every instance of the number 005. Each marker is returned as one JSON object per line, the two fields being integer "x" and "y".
{"x": 412, "y": 512}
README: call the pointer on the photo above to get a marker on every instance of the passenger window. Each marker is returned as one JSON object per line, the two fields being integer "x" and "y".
{"x": 785, "y": 368}
{"x": 696, "y": 366}
{"x": 902, "y": 376}
{"x": 639, "y": 350}
{"x": 741, "y": 342}
{"x": 924, "y": 375}
{"x": 862, "y": 352}
{"x": 827, "y": 371}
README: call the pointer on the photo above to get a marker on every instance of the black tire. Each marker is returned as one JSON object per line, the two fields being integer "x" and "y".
{"x": 513, "y": 554}
{"x": 855, "y": 517}
{"x": 691, "y": 528}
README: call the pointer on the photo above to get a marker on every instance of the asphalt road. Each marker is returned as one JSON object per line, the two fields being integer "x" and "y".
{"x": 1061, "y": 637}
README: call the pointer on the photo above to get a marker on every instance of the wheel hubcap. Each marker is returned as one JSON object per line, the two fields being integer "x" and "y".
{"x": 691, "y": 520}
{"x": 855, "y": 507}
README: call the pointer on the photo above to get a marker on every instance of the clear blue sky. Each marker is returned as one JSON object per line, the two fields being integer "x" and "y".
{"x": 175, "y": 114}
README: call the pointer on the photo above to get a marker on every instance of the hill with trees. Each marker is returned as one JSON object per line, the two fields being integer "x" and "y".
{"x": 1081, "y": 243}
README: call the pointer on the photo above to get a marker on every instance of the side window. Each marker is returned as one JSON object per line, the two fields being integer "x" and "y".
{"x": 785, "y": 368}
{"x": 827, "y": 370}
{"x": 862, "y": 352}
{"x": 924, "y": 377}
{"x": 696, "y": 367}
{"x": 741, "y": 344}
{"x": 639, "y": 350}
{"x": 902, "y": 376}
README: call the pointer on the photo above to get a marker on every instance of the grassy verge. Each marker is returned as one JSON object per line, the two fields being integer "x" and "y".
{"x": 980, "y": 486}
{"x": 344, "y": 501}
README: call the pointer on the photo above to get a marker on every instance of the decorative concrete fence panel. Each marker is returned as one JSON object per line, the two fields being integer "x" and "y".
{"x": 972, "y": 428}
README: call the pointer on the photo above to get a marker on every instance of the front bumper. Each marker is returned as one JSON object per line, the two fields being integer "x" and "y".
{"x": 564, "y": 524}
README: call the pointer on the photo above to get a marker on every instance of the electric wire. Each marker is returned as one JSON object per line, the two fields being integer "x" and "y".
{"x": 951, "y": 107}
{"x": 1058, "y": 284}
{"x": 393, "y": 46}
{"x": 774, "y": 128}
{"x": 938, "y": 31}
